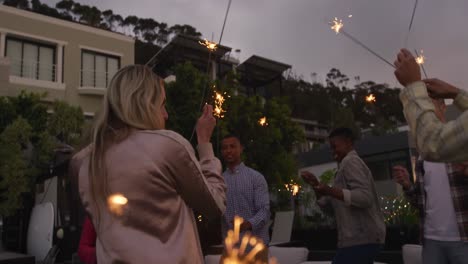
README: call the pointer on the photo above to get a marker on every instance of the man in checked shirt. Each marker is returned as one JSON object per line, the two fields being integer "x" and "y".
{"x": 247, "y": 195}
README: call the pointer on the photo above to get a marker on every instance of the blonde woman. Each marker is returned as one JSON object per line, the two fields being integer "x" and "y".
{"x": 157, "y": 172}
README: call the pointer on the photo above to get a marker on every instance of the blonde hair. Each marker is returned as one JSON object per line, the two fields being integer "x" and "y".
{"x": 132, "y": 101}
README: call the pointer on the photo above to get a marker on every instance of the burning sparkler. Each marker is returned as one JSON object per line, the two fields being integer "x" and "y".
{"x": 420, "y": 59}
{"x": 219, "y": 100}
{"x": 210, "y": 45}
{"x": 370, "y": 98}
{"x": 293, "y": 188}
{"x": 117, "y": 203}
{"x": 236, "y": 247}
{"x": 263, "y": 121}
{"x": 337, "y": 25}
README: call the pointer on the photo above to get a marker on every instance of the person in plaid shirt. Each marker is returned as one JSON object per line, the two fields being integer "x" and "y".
{"x": 435, "y": 140}
{"x": 441, "y": 195}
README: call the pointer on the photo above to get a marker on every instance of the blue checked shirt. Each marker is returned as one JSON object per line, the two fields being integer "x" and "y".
{"x": 247, "y": 196}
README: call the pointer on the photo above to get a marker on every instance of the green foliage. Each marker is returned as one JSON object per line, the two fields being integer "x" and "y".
{"x": 398, "y": 211}
{"x": 66, "y": 123}
{"x": 28, "y": 136}
{"x": 267, "y": 148}
{"x": 14, "y": 171}
{"x": 328, "y": 176}
{"x": 184, "y": 97}
{"x": 337, "y": 103}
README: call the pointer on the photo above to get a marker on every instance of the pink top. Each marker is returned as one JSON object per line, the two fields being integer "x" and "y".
{"x": 158, "y": 173}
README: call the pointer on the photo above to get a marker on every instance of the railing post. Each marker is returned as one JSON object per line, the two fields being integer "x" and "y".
{"x": 59, "y": 64}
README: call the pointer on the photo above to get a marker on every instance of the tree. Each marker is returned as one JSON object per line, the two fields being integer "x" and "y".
{"x": 66, "y": 6}
{"x": 21, "y": 4}
{"x": 28, "y": 136}
{"x": 268, "y": 148}
{"x": 185, "y": 30}
{"x": 66, "y": 124}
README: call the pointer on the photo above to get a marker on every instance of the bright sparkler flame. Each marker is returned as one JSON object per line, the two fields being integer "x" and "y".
{"x": 219, "y": 100}
{"x": 293, "y": 188}
{"x": 337, "y": 25}
{"x": 370, "y": 98}
{"x": 117, "y": 203}
{"x": 212, "y": 46}
{"x": 420, "y": 59}
{"x": 236, "y": 247}
{"x": 263, "y": 121}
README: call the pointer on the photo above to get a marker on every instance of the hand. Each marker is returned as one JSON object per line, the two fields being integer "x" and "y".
{"x": 310, "y": 178}
{"x": 205, "y": 125}
{"x": 401, "y": 176}
{"x": 407, "y": 70}
{"x": 322, "y": 189}
{"x": 463, "y": 167}
{"x": 440, "y": 89}
{"x": 246, "y": 226}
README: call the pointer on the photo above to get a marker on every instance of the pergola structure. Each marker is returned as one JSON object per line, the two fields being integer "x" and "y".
{"x": 258, "y": 72}
{"x": 184, "y": 48}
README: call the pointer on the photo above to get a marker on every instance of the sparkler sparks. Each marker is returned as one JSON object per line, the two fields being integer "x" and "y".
{"x": 219, "y": 99}
{"x": 117, "y": 203}
{"x": 263, "y": 121}
{"x": 236, "y": 247}
{"x": 293, "y": 188}
{"x": 337, "y": 25}
{"x": 420, "y": 58}
{"x": 370, "y": 98}
{"x": 210, "y": 45}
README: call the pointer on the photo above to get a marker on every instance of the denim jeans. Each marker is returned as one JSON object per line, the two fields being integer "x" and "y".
{"x": 444, "y": 252}
{"x": 362, "y": 254}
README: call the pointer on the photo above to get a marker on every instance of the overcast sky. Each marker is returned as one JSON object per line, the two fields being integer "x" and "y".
{"x": 295, "y": 31}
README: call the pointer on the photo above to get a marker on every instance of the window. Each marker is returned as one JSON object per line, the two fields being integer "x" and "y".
{"x": 31, "y": 60}
{"x": 97, "y": 69}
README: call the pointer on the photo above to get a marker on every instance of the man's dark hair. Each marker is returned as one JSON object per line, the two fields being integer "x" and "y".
{"x": 232, "y": 136}
{"x": 343, "y": 132}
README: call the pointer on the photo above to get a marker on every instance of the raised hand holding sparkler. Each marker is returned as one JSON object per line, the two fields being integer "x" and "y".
{"x": 205, "y": 124}
{"x": 407, "y": 69}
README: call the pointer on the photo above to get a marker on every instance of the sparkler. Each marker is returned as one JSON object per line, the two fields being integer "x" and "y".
{"x": 293, "y": 188}
{"x": 420, "y": 59}
{"x": 263, "y": 121}
{"x": 236, "y": 247}
{"x": 210, "y": 45}
{"x": 370, "y": 98}
{"x": 337, "y": 26}
{"x": 219, "y": 99}
{"x": 411, "y": 22}
{"x": 117, "y": 203}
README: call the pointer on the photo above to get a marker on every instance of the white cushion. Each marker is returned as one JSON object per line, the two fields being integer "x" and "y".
{"x": 288, "y": 255}
{"x": 412, "y": 254}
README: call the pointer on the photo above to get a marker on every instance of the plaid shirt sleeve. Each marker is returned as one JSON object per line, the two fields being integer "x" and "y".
{"x": 435, "y": 141}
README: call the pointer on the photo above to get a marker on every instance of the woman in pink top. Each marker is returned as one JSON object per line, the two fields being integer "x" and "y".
{"x": 155, "y": 170}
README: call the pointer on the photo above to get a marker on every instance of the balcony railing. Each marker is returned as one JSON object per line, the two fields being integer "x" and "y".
{"x": 33, "y": 70}
{"x": 97, "y": 79}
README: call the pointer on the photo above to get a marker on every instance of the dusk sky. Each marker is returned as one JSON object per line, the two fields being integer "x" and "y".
{"x": 295, "y": 31}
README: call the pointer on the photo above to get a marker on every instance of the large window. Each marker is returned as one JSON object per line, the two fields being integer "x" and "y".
{"x": 31, "y": 60}
{"x": 97, "y": 69}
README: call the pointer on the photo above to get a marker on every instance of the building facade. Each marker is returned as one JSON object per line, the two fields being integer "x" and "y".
{"x": 66, "y": 60}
